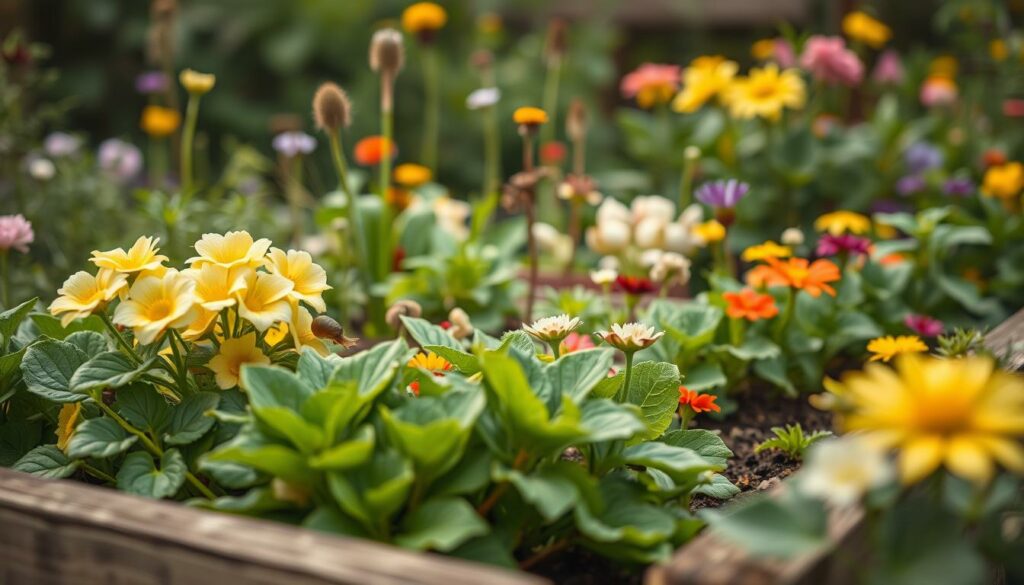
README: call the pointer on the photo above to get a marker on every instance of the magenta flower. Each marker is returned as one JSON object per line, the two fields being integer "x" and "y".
{"x": 15, "y": 232}
{"x": 888, "y": 69}
{"x": 828, "y": 59}
{"x": 830, "y": 245}
{"x": 151, "y": 82}
{"x": 722, "y": 194}
{"x": 923, "y": 325}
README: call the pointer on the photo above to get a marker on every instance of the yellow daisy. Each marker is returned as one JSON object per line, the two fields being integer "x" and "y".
{"x": 265, "y": 300}
{"x": 765, "y": 92}
{"x": 429, "y": 361}
{"x": 766, "y": 250}
{"x": 140, "y": 257}
{"x": 963, "y": 414}
{"x": 155, "y": 305}
{"x": 887, "y": 347}
{"x": 308, "y": 279}
{"x": 230, "y": 250}
{"x": 710, "y": 231}
{"x": 530, "y": 116}
{"x": 411, "y": 175}
{"x": 838, "y": 223}
{"x": 1004, "y": 181}
{"x": 423, "y": 17}
{"x": 862, "y": 27}
{"x": 232, "y": 355}
{"x": 83, "y": 294}
{"x": 703, "y": 80}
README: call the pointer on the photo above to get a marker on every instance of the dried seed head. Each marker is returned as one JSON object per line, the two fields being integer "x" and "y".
{"x": 402, "y": 308}
{"x": 387, "y": 53}
{"x": 556, "y": 41}
{"x": 576, "y": 121}
{"x": 331, "y": 108}
{"x": 325, "y": 327}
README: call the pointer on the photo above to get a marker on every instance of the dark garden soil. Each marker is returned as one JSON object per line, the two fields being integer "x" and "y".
{"x": 759, "y": 411}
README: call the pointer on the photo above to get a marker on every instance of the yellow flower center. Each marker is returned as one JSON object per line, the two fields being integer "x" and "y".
{"x": 159, "y": 310}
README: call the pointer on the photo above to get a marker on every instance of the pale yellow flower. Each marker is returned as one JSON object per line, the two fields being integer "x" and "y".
{"x": 195, "y": 82}
{"x": 218, "y": 287}
{"x": 155, "y": 305}
{"x": 553, "y": 329}
{"x": 887, "y": 347}
{"x": 67, "y": 421}
{"x": 703, "y": 80}
{"x": 230, "y": 250}
{"x": 839, "y": 222}
{"x": 83, "y": 294}
{"x": 141, "y": 257}
{"x": 630, "y": 337}
{"x": 232, "y": 355}
{"x": 309, "y": 280}
{"x": 265, "y": 300}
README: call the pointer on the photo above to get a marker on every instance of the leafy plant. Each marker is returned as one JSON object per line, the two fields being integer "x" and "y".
{"x": 792, "y": 440}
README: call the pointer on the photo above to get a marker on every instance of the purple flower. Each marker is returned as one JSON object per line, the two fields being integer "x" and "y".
{"x": 151, "y": 82}
{"x": 15, "y": 232}
{"x": 958, "y": 186}
{"x": 923, "y": 325}
{"x": 888, "y": 69}
{"x": 910, "y": 185}
{"x": 921, "y": 157}
{"x": 293, "y": 144}
{"x": 888, "y": 206}
{"x": 722, "y": 194}
{"x": 120, "y": 160}
{"x": 830, "y": 245}
{"x": 61, "y": 144}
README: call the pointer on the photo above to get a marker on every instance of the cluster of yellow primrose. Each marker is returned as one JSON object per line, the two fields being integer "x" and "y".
{"x": 237, "y": 292}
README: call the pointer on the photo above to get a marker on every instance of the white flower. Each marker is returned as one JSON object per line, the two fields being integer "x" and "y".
{"x": 554, "y": 242}
{"x": 483, "y": 98}
{"x": 451, "y": 215}
{"x": 653, "y": 206}
{"x": 41, "y": 169}
{"x": 608, "y": 263}
{"x": 461, "y": 327}
{"x": 842, "y": 470}
{"x": 630, "y": 337}
{"x": 612, "y": 210}
{"x": 552, "y": 329}
{"x": 650, "y": 257}
{"x": 671, "y": 266}
{"x": 793, "y": 237}
{"x": 604, "y": 276}
{"x": 650, "y": 232}
{"x": 608, "y": 237}
{"x": 679, "y": 235}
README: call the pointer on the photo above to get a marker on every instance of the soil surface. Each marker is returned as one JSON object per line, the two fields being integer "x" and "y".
{"x": 760, "y": 410}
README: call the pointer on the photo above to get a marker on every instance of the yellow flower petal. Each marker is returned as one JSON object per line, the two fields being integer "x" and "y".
{"x": 920, "y": 457}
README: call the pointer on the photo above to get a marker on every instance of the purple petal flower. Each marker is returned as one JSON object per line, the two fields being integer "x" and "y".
{"x": 61, "y": 144}
{"x": 294, "y": 143}
{"x": 921, "y": 157}
{"x": 151, "y": 82}
{"x": 722, "y": 194}
{"x": 888, "y": 206}
{"x": 958, "y": 186}
{"x": 120, "y": 160}
{"x": 830, "y": 245}
{"x": 923, "y": 325}
{"x": 910, "y": 184}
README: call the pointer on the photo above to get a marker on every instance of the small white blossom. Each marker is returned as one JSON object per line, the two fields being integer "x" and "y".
{"x": 41, "y": 169}
{"x": 604, "y": 276}
{"x": 841, "y": 471}
{"x": 630, "y": 337}
{"x": 483, "y": 98}
{"x": 552, "y": 329}
{"x": 793, "y": 237}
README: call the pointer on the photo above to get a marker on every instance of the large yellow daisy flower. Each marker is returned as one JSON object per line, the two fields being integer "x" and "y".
{"x": 83, "y": 294}
{"x": 308, "y": 279}
{"x": 230, "y": 250}
{"x": 156, "y": 304}
{"x": 962, "y": 414}
{"x": 705, "y": 78}
{"x": 140, "y": 257}
{"x": 765, "y": 92}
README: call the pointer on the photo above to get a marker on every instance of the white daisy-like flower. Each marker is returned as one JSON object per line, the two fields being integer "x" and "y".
{"x": 604, "y": 276}
{"x": 483, "y": 98}
{"x": 793, "y": 236}
{"x": 553, "y": 329}
{"x": 841, "y": 471}
{"x": 630, "y": 337}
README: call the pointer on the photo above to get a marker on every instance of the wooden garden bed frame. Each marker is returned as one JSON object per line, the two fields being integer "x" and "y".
{"x": 70, "y": 533}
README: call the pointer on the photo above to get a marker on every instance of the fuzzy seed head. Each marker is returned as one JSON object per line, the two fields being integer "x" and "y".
{"x": 387, "y": 53}
{"x": 576, "y": 121}
{"x": 331, "y": 108}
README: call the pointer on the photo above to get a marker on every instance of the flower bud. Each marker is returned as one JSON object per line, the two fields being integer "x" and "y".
{"x": 331, "y": 108}
{"x": 387, "y": 53}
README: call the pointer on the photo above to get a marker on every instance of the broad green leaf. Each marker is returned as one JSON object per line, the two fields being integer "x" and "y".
{"x": 99, "y": 438}
{"x": 628, "y": 518}
{"x": 18, "y": 437}
{"x": 50, "y": 326}
{"x": 553, "y": 490}
{"x": 754, "y": 348}
{"x": 720, "y": 488}
{"x": 12, "y": 318}
{"x": 346, "y": 455}
{"x": 111, "y": 369}
{"x": 575, "y": 375}
{"x": 144, "y": 407}
{"x": 426, "y": 333}
{"x": 691, "y": 324}
{"x": 654, "y": 387}
{"x": 440, "y": 524}
{"x": 464, "y": 362}
{"x": 374, "y": 492}
{"x": 705, "y": 443}
{"x": 609, "y": 386}
{"x": 705, "y": 376}
{"x": 681, "y": 464}
{"x": 607, "y": 420}
{"x": 290, "y": 425}
{"x": 314, "y": 369}
{"x": 776, "y": 371}
{"x": 48, "y": 367}
{"x": 90, "y": 342}
{"x": 10, "y": 369}
{"x": 139, "y": 475}
{"x": 189, "y": 419}
{"x": 471, "y": 474}
{"x": 255, "y": 502}
{"x": 329, "y": 520}
{"x": 47, "y": 461}
{"x": 372, "y": 370}
{"x": 274, "y": 386}
{"x": 276, "y": 460}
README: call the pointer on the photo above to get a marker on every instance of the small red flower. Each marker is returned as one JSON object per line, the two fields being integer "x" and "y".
{"x": 397, "y": 258}
{"x": 993, "y": 157}
{"x": 414, "y": 386}
{"x": 552, "y": 153}
{"x": 445, "y": 325}
{"x": 634, "y": 285}
{"x": 371, "y": 150}
{"x": 698, "y": 402}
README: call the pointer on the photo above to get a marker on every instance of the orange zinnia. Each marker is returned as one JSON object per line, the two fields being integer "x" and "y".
{"x": 698, "y": 402}
{"x": 799, "y": 273}
{"x": 750, "y": 305}
{"x": 372, "y": 149}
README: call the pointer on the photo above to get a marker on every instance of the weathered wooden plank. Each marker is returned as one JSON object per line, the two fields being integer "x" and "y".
{"x": 1007, "y": 341}
{"x": 68, "y": 533}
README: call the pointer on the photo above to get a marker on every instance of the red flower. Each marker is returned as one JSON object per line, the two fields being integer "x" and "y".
{"x": 576, "y": 342}
{"x": 698, "y": 402}
{"x": 552, "y": 153}
{"x": 634, "y": 285}
{"x": 415, "y": 387}
{"x": 993, "y": 157}
{"x": 370, "y": 150}
{"x": 397, "y": 258}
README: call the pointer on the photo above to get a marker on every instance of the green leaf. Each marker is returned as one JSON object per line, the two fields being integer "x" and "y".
{"x": 681, "y": 464}
{"x": 189, "y": 421}
{"x": 90, "y": 342}
{"x": 48, "y": 367}
{"x": 110, "y": 369}
{"x": 607, "y": 420}
{"x": 654, "y": 387}
{"x": 269, "y": 386}
{"x": 776, "y": 371}
{"x": 471, "y": 474}
{"x": 290, "y": 425}
{"x": 440, "y": 524}
{"x": 553, "y": 490}
{"x": 50, "y": 326}
{"x": 18, "y": 437}
{"x": 99, "y": 438}
{"x": 374, "y": 492}
{"x": 628, "y": 518}
{"x": 276, "y": 460}
{"x": 692, "y": 325}
{"x": 705, "y": 376}
{"x": 575, "y": 375}
{"x": 705, "y": 443}
{"x": 12, "y": 318}
{"x": 140, "y": 476}
{"x": 425, "y": 333}
{"x": 329, "y": 520}
{"x": 372, "y": 370}
{"x": 47, "y": 461}
{"x": 754, "y": 348}
{"x": 464, "y": 362}
{"x": 784, "y": 526}
{"x": 144, "y": 407}
{"x": 316, "y": 370}
{"x": 348, "y": 454}
{"x": 720, "y": 488}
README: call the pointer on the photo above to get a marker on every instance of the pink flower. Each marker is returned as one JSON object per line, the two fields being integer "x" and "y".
{"x": 938, "y": 91}
{"x": 784, "y": 54}
{"x": 576, "y": 342}
{"x": 651, "y": 84}
{"x": 923, "y": 325}
{"x": 828, "y": 59}
{"x": 15, "y": 232}
{"x": 888, "y": 69}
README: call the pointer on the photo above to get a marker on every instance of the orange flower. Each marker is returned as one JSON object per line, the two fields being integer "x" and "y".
{"x": 370, "y": 150}
{"x": 750, "y": 305}
{"x": 698, "y": 402}
{"x": 799, "y": 273}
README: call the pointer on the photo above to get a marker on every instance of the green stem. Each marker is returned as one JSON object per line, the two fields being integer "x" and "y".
{"x": 736, "y": 332}
{"x": 98, "y": 473}
{"x": 787, "y": 315}
{"x": 686, "y": 183}
{"x": 5, "y": 282}
{"x": 551, "y": 82}
{"x": 119, "y": 339}
{"x": 187, "y": 139}
{"x": 624, "y": 392}
{"x": 431, "y": 108}
{"x": 180, "y": 359}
